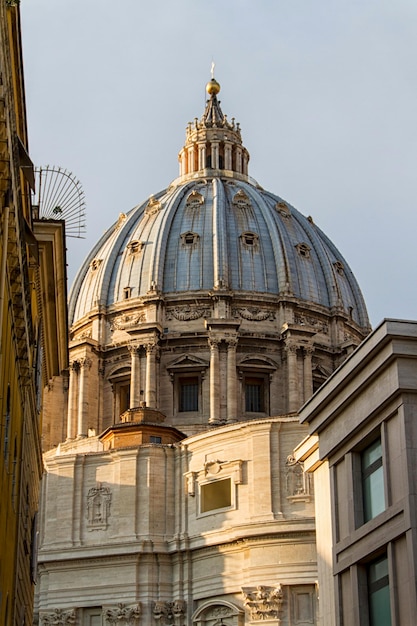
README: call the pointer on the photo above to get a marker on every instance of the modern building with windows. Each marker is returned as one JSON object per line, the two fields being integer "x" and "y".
{"x": 199, "y": 324}
{"x": 363, "y": 453}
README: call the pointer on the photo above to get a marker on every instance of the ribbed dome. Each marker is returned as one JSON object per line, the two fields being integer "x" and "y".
{"x": 217, "y": 233}
{"x": 213, "y": 229}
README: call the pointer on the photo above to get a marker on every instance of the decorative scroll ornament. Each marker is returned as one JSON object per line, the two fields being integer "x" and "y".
{"x": 127, "y": 321}
{"x": 253, "y": 314}
{"x": 95, "y": 264}
{"x": 153, "y": 206}
{"x": 123, "y": 615}
{"x": 186, "y": 313}
{"x": 263, "y": 602}
{"x": 169, "y": 613}
{"x": 59, "y": 617}
{"x": 98, "y": 507}
{"x": 120, "y": 221}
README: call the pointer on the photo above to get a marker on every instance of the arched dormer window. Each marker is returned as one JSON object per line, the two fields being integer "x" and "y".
{"x": 194, "y": 200}
{"x": 241, "y": 200}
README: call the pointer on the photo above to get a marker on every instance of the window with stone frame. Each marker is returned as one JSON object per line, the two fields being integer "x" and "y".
{"x": 120, "y": 382}
{"x": 215, "y": 485}
{"x": 216, "y": 494}
{"x": 379, "y": 604}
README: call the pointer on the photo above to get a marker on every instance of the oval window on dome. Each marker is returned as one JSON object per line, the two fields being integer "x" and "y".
{"x": 135, "y": 246}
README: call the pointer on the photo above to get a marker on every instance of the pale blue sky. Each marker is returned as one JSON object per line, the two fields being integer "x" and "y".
{"x": 325, "y": 92}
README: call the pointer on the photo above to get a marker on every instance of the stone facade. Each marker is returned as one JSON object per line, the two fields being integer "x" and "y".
{"x": 213, "y": 524}
{"x": 367, "y": 409}
{"x": 200, "y": 323}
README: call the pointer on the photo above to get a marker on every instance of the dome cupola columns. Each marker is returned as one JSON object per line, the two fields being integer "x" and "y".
{"x": 212, "y": 143}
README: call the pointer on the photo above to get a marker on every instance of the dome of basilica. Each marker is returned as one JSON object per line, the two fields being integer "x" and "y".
{"x": 211, "y": 302}
{"x": 215, "y": 229}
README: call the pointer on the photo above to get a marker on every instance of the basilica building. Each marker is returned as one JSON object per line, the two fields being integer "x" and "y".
{"x": 200, "y": 323}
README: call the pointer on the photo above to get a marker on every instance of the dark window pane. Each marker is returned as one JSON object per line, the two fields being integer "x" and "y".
{"x": 372, "y": 481}
{"x": 254, "y": 395}
{"x": 378, "y": 593}
{"x": 188, "y": 394}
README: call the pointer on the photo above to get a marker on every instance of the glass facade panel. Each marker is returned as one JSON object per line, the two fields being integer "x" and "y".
{"x": 372, "y": 481}
{"x": 378, "y": 593}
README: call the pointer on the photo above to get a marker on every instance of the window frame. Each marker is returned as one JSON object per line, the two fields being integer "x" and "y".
{"x": 375, "y": 586}
{"x": 372, "y": 470}
{"x": 220, "y": 509}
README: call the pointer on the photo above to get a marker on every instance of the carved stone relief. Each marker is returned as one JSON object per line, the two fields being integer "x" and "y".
{"x": 127, "y": 320}
{"x": 58, "y": 617}
{"x": 307, "y": 320}
{"x": 153, "y": 206}
{"x": 169, "y": 613}
{"x": 218, "y": 615}
{"x": 262, "y": 602}
{"x": 98, "y": 507}
{"x": 253, "y": 314}
{"x": 187, "y": 312}
{"x": 299, "y": 483}
{"x": 123, "y": 615}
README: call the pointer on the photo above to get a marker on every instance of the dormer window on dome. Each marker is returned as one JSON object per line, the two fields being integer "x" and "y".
{"x": 249, "y": 239}
{"x": 213, "y": 143}
{"x": 303, "y": 250}
{"x": 194, "y": 200}
{"x": 241, "y": 200}
{"x": 189, "y": 238}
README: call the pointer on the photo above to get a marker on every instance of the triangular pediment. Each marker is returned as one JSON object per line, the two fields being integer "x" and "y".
{"x": 187, "y": 361}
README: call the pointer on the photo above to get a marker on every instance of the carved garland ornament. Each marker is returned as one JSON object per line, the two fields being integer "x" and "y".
{"x": 123, "y": 615}
{"x": 263, "y": 602}
{"x": 59, "y": 617}
{"x": 253, "y": 314}
{"x": 127, "y": 321}
{"x": 186, "y": 313}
